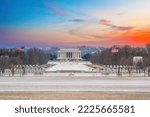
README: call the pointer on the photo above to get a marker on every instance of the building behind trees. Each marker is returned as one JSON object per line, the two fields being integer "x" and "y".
{"x": 123, "y": 57}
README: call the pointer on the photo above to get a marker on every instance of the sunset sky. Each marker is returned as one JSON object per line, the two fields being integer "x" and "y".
{"x": 74, "y": 22}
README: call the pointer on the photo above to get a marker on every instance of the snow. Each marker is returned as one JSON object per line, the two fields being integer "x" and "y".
{"x": 69, "y": 62}
{"x": 70, "y": 66}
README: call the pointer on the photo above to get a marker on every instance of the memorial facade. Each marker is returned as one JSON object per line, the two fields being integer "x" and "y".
{"x": 71, "y": 54}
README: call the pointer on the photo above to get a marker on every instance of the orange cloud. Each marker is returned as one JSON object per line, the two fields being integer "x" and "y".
{"x": 135, "y": 37}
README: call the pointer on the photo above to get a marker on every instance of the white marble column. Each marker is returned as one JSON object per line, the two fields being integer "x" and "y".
{"x": 69, "y": 55}
{"x": 65, "y": 55}
{"x": 75, "y": 55}
{"x": 80, "y": 55}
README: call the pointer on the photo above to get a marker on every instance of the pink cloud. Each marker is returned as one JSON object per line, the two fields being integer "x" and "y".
{"x": 108, "y": 23}
{"x": 56, "y": 9}
{"x": 105, "y": 22}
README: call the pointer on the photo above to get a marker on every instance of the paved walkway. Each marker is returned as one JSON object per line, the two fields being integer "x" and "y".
{"x": 72, "y": 83}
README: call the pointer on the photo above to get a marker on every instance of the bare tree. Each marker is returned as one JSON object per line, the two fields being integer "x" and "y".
{"x": 36, "y": 56}
{"x": 148, "y": 48}
{"x": 13, "y": 62}
{"x": 4, "y": 60}
{"x": 146, "y": 65}
{"x": 129, "y": 68}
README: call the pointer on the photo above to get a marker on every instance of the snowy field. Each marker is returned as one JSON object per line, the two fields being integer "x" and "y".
{"x": 74, "y": 76}
{"x": 69, "y": 66}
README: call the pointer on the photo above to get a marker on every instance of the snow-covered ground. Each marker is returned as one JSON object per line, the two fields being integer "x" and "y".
{"x": 70, "y": 66}
{"x": 69, "y": 62}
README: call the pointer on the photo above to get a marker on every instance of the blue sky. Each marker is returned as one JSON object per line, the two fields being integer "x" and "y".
{"x": 74, "y": 22}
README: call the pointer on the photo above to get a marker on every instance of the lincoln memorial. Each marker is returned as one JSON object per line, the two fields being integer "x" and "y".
{"x": 69, "y": 54}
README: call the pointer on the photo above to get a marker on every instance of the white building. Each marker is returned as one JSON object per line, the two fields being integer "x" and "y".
{"x": 137, "y": 59}
{"x": 71, "y": 54}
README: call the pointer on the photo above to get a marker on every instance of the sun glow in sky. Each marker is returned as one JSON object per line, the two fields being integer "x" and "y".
{"x": 74, "y": 22}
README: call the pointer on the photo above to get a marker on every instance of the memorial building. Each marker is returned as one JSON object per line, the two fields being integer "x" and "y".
{"x": 69, "y": 54}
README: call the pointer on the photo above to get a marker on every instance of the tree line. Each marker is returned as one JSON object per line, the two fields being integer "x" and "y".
{"x": 124, "y": 56}
{"x": 11, "y": 57}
